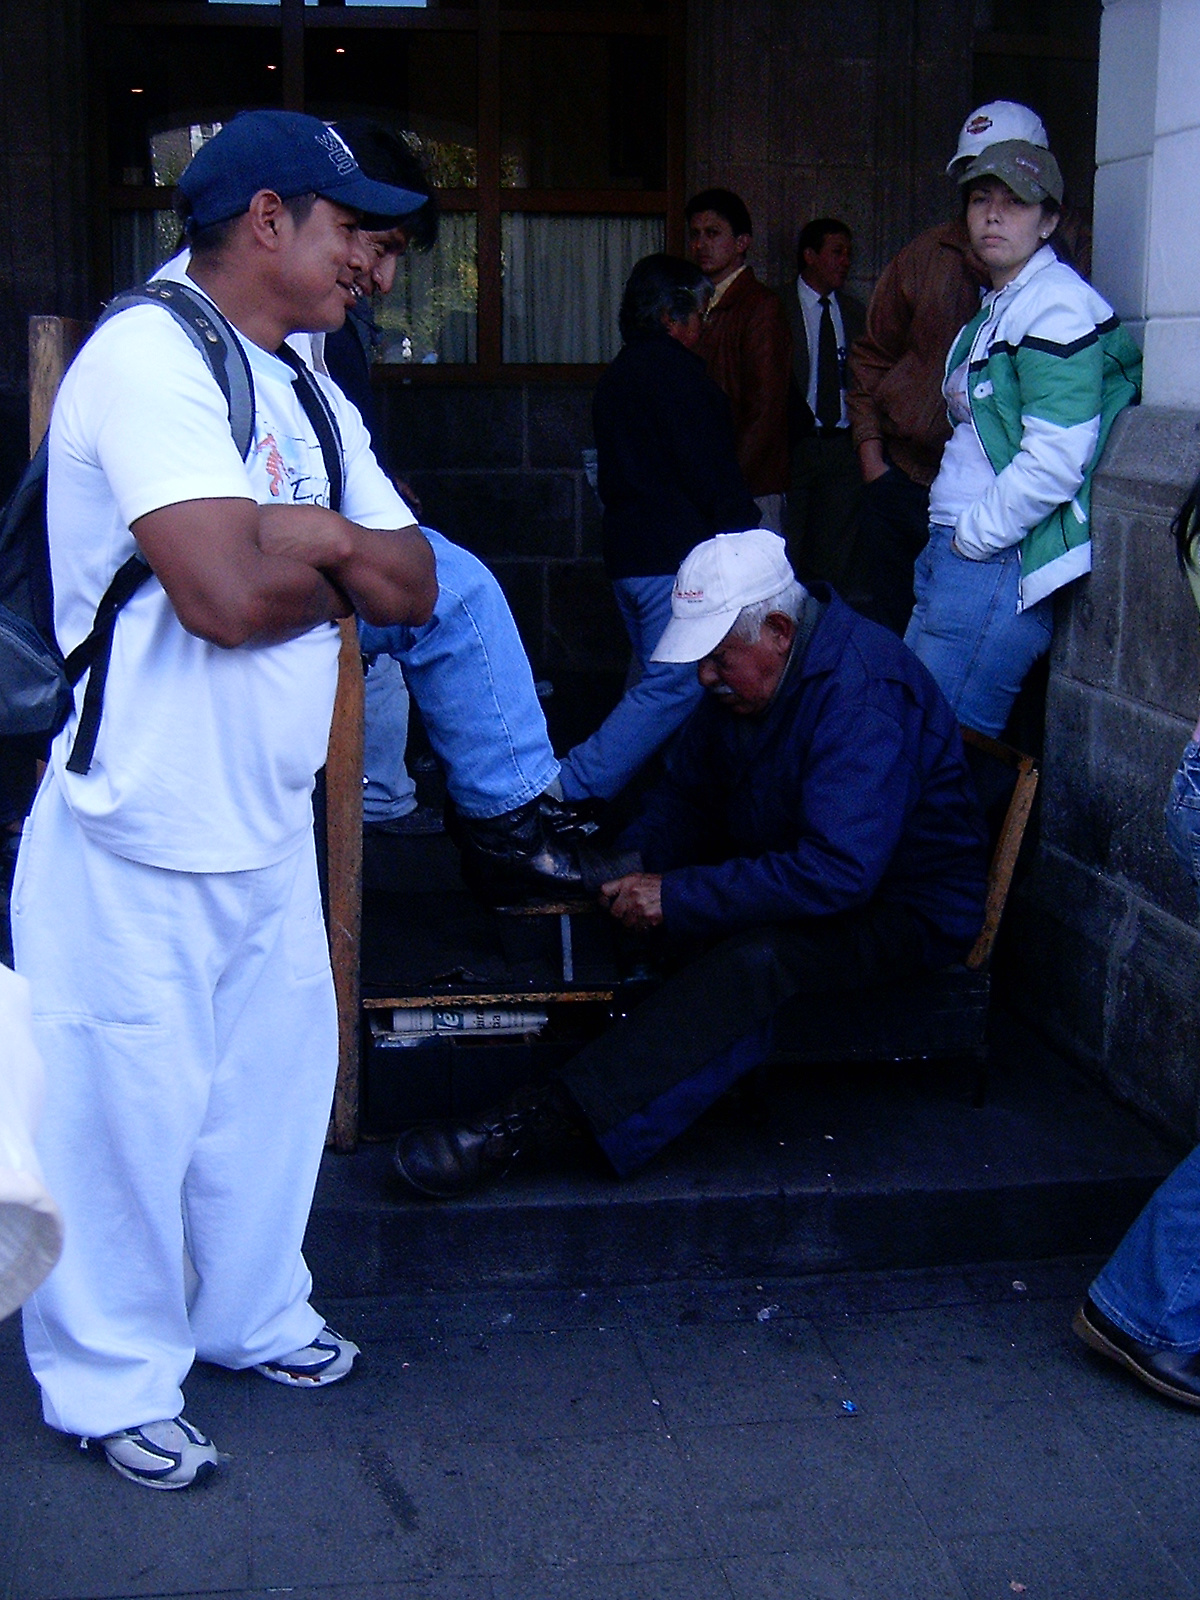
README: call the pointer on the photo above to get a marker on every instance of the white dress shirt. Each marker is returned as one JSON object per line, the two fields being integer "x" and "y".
{"x": 810, "y": 305}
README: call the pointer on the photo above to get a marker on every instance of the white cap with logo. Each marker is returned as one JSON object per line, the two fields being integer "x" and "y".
{"x": 716, "y": 580}
{"x": 995, "y": 123}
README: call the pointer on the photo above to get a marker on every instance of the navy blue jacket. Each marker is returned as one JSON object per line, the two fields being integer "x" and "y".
{"x": 667, "y": 465}
{"x": 850, "y": 786}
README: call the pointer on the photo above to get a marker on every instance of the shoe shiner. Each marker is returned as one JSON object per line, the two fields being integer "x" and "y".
{"x": 816, "y": 829}
{"x": 466, "y": 668}
{"x": 166, "y": 908}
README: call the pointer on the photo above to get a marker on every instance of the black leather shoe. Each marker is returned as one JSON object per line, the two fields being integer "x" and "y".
{"x": 572, "y": 819}
{"x": 1171, "y": 1372}
{"x": 441, "y": 1160}
{"x": 532, "y": 850}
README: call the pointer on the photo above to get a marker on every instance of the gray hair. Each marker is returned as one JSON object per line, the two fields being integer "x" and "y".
{"x": 789, "y": 601}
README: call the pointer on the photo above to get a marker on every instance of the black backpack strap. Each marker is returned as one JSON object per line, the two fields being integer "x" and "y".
{"x": 95, "y": 652}
{"x": 319, "y": 413}
{"x": 213, "y": 337}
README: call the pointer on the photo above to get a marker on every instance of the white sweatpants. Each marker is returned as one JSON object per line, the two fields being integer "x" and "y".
{"x": 188, "y": 1028}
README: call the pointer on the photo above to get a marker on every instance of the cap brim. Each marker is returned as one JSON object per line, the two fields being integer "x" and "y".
{"x": 687, "y": 639}
{"x": 373, "y": 199}
{"x": 1024, "y": 189}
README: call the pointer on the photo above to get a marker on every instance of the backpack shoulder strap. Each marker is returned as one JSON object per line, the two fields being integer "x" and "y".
{"x": 320, "y": 414}
{"x": 95, "y": 652}
{"x": 226, "y": 360}
{"x": 213, "y": 337}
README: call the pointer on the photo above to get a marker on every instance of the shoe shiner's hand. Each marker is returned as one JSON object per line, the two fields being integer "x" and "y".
{"x": 635, "y": 900}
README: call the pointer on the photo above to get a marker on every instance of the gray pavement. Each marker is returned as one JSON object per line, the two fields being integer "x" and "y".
{"x": 936, "y": 1434}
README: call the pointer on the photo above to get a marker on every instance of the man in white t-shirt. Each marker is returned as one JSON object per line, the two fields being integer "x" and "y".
{"x": 166, "y": 908}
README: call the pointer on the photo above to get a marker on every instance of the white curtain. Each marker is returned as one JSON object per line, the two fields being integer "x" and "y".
{"x": 562, "y": 283}
{"x": 430, "y": 315}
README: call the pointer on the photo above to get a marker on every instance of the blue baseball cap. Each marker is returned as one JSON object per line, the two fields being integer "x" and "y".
{"x": 289, "y": 153}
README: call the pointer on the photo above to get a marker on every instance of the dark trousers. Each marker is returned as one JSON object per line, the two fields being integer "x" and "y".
{"x": 893, "y": 529}
{"x": 649, "y": 1077}
{"x": 822, "y": 508}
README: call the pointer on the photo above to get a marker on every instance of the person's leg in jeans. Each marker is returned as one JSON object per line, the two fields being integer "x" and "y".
{"x": 967, "y": 630}
{"x": 1182, "y": 814}
{"x": 1151, "y": 1286}
{"x": 468, "y": 673}
{"x": 650, "y": 710}
{"x": 388, "y": 791}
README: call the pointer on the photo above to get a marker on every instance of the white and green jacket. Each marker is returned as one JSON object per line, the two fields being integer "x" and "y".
{"x": 1050, "y": 367}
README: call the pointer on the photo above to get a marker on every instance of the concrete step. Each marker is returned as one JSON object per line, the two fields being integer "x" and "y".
{"x": 851, "y": 1169}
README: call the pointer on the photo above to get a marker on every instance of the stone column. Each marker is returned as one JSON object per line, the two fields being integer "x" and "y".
{"x": 1148, "y": 171}
{"x": 1107, "y": 952}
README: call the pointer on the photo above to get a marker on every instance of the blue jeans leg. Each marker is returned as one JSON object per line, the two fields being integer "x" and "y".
{"x": 649, "y": 711}
{"x": 967, "y": 630}
{"x": 467, "y": 670}
{"x": 388, "y": 791}
{"x": 1183, "y": 812}
{"x": 1151, "y": 1286}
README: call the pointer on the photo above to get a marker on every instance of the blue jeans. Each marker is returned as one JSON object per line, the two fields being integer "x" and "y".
{"x": 1151, "y": 1286}
{"x": 967, "y": 630}
{"x": 660, "y": 700}
{"x": 467, "y": 670}
{"x": 1182, "y": 813}
{"x": 388, "y": 791}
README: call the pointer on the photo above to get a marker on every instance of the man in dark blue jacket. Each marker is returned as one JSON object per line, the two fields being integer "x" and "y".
{"x": 816, "y": 830}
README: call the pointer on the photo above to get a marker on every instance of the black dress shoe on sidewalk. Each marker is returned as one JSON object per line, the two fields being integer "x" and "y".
{"x": 442, "y": 1160}
{"x": 1171, "y": 1372}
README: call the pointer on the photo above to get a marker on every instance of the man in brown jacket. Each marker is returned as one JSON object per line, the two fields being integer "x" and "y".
{"x": 746, "y": 345}
{"x": 897, "y": 410}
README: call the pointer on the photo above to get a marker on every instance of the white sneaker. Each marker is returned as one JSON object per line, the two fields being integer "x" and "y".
{"x": 326, "y": 1359}
{"x": 171, "y": 1454}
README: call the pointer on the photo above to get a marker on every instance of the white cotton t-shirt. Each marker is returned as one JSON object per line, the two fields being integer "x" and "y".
{"x": 205, "y": 757}
{"x": 965, "y": 473}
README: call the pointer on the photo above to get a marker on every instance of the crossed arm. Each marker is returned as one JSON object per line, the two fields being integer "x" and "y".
{"x": 239, "y": 573}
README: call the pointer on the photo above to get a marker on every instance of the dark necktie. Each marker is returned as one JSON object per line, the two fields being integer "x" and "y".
{"x": 829, "y": 376}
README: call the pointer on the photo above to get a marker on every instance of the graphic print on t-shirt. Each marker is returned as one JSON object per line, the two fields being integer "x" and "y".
{"x": 287, "y": 481}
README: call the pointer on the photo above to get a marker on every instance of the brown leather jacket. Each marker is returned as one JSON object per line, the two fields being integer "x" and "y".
{"x": 747, "y": 347}
{"x": 926, "y": 294}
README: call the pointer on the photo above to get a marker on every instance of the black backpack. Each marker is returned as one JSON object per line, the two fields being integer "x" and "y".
{"x": 36, "y": 680}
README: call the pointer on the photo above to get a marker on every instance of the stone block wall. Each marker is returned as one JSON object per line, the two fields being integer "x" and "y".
{"x": 814, "y": 108}
{"x": 498, "y": 468}
{"x": 1102, "y": 945}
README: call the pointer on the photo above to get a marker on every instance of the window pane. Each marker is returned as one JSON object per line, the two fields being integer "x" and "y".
{"x": 583, "y": 111}
{"x": 639, "y": 8}
{"x": 424, "y": 83}
{"x": 562, "y": 279}
{"x": 141, "y": 241}
{"x": 163, "y": 78}
{"x": 429, "y": 5}
{"x": 430, "y": 313}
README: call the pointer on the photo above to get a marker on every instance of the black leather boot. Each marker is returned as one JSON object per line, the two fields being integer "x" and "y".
{"x": 441, "y": 1160}
{"x": 539, "y": 848}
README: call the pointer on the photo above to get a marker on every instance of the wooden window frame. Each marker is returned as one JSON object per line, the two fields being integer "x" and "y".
{"x": 489, "y": 22}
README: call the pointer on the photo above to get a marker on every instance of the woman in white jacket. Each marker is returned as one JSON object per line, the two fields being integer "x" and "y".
{"x": 1032, "y": 385}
